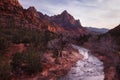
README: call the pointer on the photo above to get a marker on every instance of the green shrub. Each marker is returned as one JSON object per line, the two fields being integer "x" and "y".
{"x": 17, "y": 61}
{"x": 28, "y": 62}
{"x": 5, "y": 71}
{"x": 33, "y": 64}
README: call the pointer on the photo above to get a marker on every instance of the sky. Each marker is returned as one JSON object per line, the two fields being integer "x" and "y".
{"x": 91, "y": 13}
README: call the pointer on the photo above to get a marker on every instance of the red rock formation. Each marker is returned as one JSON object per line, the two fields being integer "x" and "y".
{"x": 13, "y": 15}
{"x": 68, "y": 22}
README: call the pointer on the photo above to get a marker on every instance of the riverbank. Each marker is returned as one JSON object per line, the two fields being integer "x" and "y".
{"x": 53, "y": 68}
{"x": 89, "y": 68}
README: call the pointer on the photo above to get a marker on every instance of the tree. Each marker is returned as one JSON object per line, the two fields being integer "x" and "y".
{"x": 57, "y": 45}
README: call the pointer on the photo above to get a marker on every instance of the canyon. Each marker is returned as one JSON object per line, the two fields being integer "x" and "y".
{"x": 23, "y": 30}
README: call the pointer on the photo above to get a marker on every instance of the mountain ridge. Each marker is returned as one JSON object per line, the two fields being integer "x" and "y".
{"x": 97, "y": 30}
{"x": 31, "y": 18}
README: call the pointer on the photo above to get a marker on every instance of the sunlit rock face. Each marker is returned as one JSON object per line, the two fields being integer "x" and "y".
{"x": 89, "y": 68}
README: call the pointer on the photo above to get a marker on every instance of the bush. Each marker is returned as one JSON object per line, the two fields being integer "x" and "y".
{"x": 5, "y": 71}
{"x": 17, "y": 61}
{"x": 28, "y": 62}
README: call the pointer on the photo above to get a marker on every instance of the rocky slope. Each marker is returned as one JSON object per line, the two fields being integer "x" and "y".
{"x": 115, "y": 34}
{"x": 13, "y": 15}
{"x": 107, "y": 47}
{"x": 53, "y": 67}
{"x": 114, "y": 69}
{"x": 115, "y": 31}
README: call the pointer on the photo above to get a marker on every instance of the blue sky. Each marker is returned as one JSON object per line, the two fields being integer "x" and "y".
{"x": 95, "y": 13}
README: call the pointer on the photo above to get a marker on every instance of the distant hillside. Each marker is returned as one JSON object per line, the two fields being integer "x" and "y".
{"x": 97, "y": 30}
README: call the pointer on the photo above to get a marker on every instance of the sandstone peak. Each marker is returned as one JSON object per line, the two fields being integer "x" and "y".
{"x": 66, "y": 15}
{"x": 65, "y": 12}
{"x": 66, "y": 20}
{"x": 32, "y": 9}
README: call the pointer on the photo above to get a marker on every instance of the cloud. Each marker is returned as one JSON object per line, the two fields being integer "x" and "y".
{"x": 96, "y": 13}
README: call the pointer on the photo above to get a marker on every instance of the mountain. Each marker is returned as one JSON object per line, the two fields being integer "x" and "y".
{"x": 97, "y": 30}
{"x": 13, "y": 14}
{"x": 67, "y": 21}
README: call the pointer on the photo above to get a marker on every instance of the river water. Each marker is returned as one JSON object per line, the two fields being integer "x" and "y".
{"x": 89, "y": 68}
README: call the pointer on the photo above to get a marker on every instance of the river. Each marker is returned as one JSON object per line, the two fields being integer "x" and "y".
{"x": 89, "y": 68}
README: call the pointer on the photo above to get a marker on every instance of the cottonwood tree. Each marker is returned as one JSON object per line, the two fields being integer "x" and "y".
{"x": 57, "y": 45}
